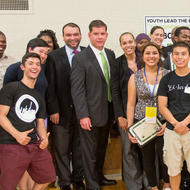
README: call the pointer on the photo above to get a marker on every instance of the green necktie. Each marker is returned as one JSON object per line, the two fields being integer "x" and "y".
{"x": 106, "y": 74}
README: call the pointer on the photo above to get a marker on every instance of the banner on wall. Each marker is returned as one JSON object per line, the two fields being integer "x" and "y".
{"x": 168, "y": 23}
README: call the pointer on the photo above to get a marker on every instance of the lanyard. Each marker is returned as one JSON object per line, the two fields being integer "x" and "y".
{"x": 151, "y": 93}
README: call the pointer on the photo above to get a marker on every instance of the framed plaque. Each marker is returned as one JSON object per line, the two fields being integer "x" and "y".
{"x": 144, "y": 132}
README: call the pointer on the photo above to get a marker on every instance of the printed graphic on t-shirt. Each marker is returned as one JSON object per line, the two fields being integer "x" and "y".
{"x": 26, "y": 108}
{"x": 176, "y": 87}
{"x": 187, "y": 90}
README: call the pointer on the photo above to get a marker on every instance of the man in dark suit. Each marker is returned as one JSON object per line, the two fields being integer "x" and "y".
{"x": 90, "y": 88}
{"x": 65, "y": 135}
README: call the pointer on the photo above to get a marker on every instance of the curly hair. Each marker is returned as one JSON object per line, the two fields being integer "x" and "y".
{"x": 51, "y": 34}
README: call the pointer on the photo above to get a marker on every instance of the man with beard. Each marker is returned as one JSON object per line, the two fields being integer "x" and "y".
{"x": 65, "y": 136}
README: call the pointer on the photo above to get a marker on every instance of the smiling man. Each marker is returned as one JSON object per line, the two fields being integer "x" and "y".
{"x": 61, "y": 111}
{"x": 23, "y": 134}
{"x": 14, "y": 72}
{"x": 90, "y": 87}
{"x": 5, "y": 60}
{"x": 174, "y": 105}
{"x": 182, "y": 34}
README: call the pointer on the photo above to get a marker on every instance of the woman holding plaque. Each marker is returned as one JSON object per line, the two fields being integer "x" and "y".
{"x": 142, "y": 95}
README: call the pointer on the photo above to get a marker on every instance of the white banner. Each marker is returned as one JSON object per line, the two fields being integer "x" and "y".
{"x": 168, "y": 23}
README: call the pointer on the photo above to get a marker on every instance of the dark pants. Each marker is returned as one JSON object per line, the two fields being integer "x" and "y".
{"x": 93, "y": 147}
{"x": 66, "y": 148}
{"x": 149, "y": 153}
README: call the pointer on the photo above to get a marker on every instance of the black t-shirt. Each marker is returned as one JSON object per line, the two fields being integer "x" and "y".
{"x": 26, "y": 105}
{"x": 177, "y": 89}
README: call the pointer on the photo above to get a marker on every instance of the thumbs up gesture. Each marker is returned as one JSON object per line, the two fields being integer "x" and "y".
{"x": 44, "y": 141}
{"x": 23, "y": 138}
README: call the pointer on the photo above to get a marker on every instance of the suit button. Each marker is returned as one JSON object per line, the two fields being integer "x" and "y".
{"x": 71, "y": 106}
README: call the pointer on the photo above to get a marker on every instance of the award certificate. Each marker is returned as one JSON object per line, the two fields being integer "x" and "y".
{"x": 144, "y": 132}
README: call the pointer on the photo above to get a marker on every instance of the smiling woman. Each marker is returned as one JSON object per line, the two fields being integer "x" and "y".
{"x": 141, "y": 40}
{"x": 128, "y": 45}
{"x": 142, "y": 94}
{"x": 157, "y": 35}
{"x": 49, "y": 37}
{"x": 123, "y": 67}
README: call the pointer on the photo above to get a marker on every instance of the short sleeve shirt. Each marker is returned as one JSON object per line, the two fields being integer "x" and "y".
{"x": 177, "y": 89}
{"x": 26, "y": 105}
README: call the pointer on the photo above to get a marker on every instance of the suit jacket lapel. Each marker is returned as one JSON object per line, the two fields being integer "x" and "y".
{"x": 94, "y": 62}
{"x": 66, "y": 59}
{"x": 108, "y": 56}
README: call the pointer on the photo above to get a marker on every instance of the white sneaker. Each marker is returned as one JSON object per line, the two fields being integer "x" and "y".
{"x": 167, "y": 188}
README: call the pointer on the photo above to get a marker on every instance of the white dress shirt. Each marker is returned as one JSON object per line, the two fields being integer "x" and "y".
{"x": 98, "y": 56}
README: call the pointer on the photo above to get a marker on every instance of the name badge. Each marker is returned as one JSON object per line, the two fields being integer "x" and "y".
{"x": 150, "y": 114}
{"x": 187, "y": 90}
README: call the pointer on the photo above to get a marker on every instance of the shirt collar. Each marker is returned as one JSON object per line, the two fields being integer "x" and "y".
{"x": 70, "y": 50}
{"x": 96, "y": 51}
